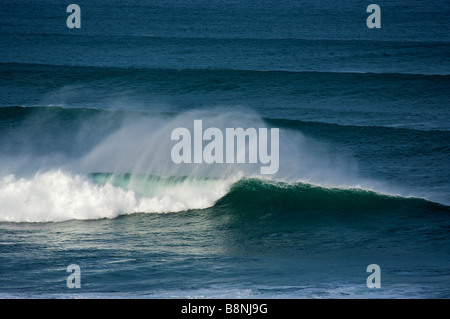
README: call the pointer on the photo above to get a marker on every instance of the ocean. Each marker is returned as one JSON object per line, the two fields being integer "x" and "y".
{"x": 87, "y": 175}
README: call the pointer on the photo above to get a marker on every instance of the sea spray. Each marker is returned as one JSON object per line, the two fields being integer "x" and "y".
{"x": 144, "y": 146}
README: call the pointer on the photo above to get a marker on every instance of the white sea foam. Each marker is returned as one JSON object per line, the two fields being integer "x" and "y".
{"x": 56, "y": 196}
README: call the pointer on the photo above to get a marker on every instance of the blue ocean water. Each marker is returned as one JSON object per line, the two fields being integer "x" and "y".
{"x": 86, "y": 177}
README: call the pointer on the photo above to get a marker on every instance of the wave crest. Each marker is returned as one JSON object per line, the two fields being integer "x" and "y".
{"x": 57, "y": 196}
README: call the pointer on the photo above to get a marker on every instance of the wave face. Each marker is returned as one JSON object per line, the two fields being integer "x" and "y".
{"x": 266, "y": 196}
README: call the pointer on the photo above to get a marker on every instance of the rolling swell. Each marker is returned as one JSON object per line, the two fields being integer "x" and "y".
{"x": 210, "y": 79}
{"x": 59, "y": 196}
{"x": 343, "y": 97}
{"x": 268, "y": 196}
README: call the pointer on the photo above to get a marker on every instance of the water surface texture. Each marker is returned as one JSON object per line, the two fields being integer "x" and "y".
{"x": 86, "y": 175}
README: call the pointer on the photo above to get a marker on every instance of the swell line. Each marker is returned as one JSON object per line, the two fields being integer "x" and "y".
{"x": 20, "y": 112}
{"x": 17, "y": 67}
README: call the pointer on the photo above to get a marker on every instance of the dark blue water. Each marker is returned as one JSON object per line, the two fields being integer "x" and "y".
{"x": 86, "y": 175}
